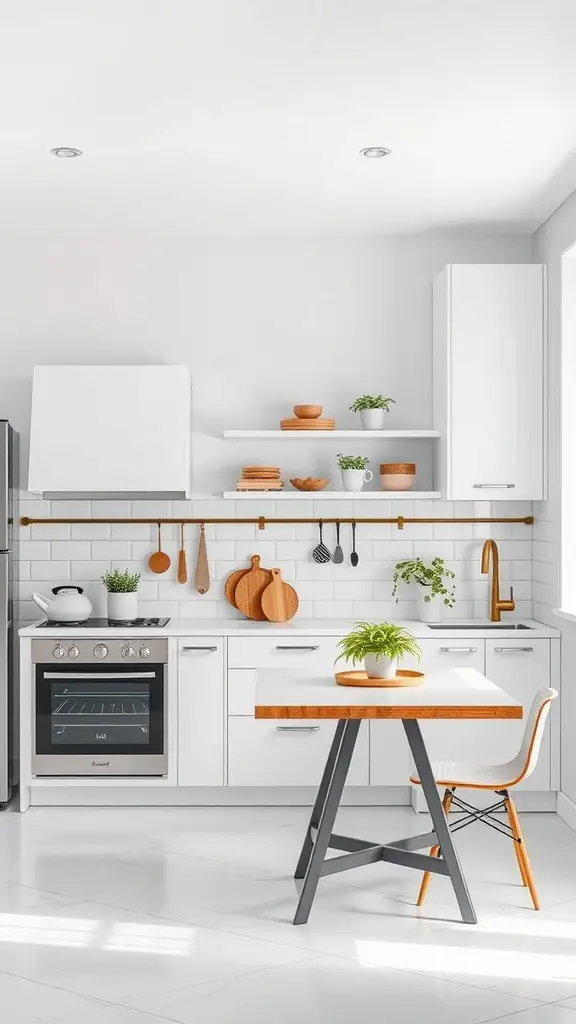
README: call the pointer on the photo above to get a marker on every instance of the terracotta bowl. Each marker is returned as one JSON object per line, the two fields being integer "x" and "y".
{"x": 397, "y": 476}
{"x": 309, "y": 483}
{"x": 308, "y": 412}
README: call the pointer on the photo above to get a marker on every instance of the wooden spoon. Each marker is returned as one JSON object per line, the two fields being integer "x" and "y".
{"x": 159, "y": 561}
{"x": 182, "y": 567}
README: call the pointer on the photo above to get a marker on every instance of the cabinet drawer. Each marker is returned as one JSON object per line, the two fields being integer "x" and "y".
{"x": 265, "y": 753}
{"x": 282, "y": 652}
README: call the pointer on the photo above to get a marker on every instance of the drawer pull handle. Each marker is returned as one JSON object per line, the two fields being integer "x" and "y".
{"x": 292, "y": 647}
{"x": 495, "y": 487}
{"x": 297, "y": 728}
{"x": 461, "y": 650}
{"x": 513, "y": 650}
{"x": 199, "y": 648}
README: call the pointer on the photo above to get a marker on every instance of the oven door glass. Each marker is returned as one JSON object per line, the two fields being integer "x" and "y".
{"x": 115, "y": 709}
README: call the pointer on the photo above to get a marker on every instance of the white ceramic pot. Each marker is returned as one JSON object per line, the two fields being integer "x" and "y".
{"x": 379, "y": 666}
{"x": 354, "y": 479}
{"x": 123, "y": 607}
{"x": 372, "y": 419}
{"x": 429, "y": 611}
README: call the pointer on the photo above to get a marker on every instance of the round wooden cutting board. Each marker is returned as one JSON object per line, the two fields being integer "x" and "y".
{"x": 279, "y": 600}
{"x": 231, "y": 584}
{"x": 404, "y": 677}
{"x": 249, "y": 590}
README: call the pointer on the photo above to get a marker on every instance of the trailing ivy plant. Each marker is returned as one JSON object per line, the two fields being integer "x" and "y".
{"x": 352, "y": 461}
{"x": 432, "y": 575}
{"x": 381, "y": 638}
{"x": 118, "y": 582}
{"x": 371, "y": 402}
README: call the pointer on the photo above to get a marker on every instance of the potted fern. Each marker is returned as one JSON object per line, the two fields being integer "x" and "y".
{"x": 435, "y": 585}
{"x": 354, "y": 472}
{"x": 380, "y": 646}
{"x": 122, "y": 588}
{"x": 372, "y": 409}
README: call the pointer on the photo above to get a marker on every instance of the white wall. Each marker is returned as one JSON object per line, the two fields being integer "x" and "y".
{"x": 549, "y": 242}
{"x": 263, "y": 324}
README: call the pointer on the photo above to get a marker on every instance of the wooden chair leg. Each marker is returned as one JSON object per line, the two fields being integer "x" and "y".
{"x": 434, "y": 850}
{"x": 520, "y": 846}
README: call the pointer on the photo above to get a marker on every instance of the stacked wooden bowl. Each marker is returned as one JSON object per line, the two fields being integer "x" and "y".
{"x": 260, "y": 478}
{"x": 307, "y": 417}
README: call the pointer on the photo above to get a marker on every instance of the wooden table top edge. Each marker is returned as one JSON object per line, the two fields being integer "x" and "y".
{"x": 335, "y": 711}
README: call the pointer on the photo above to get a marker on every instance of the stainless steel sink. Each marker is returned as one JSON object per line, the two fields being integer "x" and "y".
{"x": 478, "y": 625}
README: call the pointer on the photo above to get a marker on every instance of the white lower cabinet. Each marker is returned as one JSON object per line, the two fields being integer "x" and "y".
{"x": 267, "y": 752}
{"x": 201, "y": 711}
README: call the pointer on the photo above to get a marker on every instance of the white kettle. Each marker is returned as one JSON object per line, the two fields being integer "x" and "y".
{"x": 69, "y": 604}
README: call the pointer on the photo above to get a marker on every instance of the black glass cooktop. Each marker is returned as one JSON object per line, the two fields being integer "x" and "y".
{"x": 153, "y": 623}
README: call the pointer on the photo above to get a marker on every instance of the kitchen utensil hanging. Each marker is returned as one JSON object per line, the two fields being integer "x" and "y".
{"x": 202, "y": 568}
{"x": 338, "y": 555}
{"x": 321, "y": 552}
{"x": 354, "y": 553}
{"x": 279, "y": 599}
{"x": 182, "y": 567}
{"x": 159, "y": 561}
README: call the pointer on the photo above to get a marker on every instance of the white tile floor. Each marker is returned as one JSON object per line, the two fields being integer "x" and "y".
{"x": 142, "y": 916}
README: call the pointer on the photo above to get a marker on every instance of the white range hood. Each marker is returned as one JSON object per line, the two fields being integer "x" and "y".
{"x": 110, "y": 431}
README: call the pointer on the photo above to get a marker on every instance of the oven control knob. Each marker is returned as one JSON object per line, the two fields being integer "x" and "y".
{"x": 100, "y": 651}
{"x": 144, "y": 651}
{"x": 58, "y": 651}
{"x": 74, "y": 651}
{"x": 128, "y": 651}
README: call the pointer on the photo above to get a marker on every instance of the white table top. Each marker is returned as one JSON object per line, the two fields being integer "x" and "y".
{"x": 451, "y": 693}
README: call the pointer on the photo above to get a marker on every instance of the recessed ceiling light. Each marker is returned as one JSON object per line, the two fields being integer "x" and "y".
{"x": 373, "y": 152}
{"x": 66, "y": 152}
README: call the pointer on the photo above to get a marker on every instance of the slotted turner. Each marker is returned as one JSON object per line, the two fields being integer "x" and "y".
{"x": 321, "y": 552}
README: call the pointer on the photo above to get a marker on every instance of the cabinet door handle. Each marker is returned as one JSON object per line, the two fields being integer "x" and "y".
{"x": 297, "y": 728}
{"x": 199, "y": 648}
{"x": 461, "y": 650}
{"x": 513, "y": 650}
{"x": 494, "y": 487}
{"x": 298, "y": 647}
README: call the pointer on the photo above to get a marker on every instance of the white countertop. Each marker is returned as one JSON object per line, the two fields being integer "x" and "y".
{"x": 297, "y": 627}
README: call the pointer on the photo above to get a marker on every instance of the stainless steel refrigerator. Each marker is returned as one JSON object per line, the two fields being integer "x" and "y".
{"x": 8, "y": 639}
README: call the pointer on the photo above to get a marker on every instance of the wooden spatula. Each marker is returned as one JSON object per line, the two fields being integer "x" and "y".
{"x": 279, "y": 600}
{"x": 182, "y": 567}
{"x": 202, "y": 568}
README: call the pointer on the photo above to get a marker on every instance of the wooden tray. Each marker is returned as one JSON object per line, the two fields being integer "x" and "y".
{"x": 295, "y": 424}
{"x": 405, "y": 677}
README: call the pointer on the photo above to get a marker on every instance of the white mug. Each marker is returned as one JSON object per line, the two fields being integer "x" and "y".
{"x": 354, "y": 479}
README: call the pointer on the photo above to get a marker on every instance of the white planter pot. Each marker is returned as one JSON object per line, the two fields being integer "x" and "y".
{"x": 354, "y": 479}
{"x": 380, "y": 666}
{"x": 372, "y": 419}
{"x": 123, "y": 607}
{"x": 429, "y": 611}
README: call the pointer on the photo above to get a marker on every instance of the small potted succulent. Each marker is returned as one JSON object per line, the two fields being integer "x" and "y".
{"x": 380, "y": 646}
{"x": 372, "y": 409}
{"x": 435, "y": 585}
{"x": 122, "y": 590}
{"x": 354, "y": 472}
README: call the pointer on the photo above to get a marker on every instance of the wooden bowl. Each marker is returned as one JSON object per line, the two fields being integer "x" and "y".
{"x": 309, "y": 483}
{"x": 308, "y": 412}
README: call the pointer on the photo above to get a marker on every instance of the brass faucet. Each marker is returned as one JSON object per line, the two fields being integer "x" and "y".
{"x": 496, "y": 604}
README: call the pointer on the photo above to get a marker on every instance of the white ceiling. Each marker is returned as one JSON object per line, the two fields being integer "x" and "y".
{"x": 246, "y": 116}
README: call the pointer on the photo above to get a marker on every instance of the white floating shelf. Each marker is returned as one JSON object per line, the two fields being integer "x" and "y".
{"x": 329, "y": 435}
{"x": 332, "y": 495}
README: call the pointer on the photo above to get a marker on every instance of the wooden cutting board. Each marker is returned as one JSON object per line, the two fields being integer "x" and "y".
{"x": 295, "y": 424}
{"x": 249, "y": 590}
{"x": 231, "y": 584}
{"x": 279, "y": 600}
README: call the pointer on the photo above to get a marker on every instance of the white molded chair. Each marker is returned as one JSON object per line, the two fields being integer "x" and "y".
{"x": 500, "y": 778}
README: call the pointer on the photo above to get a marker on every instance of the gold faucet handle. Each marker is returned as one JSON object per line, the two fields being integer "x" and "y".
{"x": 510, "y": 604}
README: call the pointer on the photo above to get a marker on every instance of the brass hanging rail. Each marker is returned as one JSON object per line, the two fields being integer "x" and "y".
{"x": 262, "y": 521}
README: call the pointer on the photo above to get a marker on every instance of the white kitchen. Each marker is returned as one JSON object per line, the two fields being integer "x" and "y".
{"x": 287, "y": 514}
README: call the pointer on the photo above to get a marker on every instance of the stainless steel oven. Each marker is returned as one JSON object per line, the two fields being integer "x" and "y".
{"x": 100, "y": 707}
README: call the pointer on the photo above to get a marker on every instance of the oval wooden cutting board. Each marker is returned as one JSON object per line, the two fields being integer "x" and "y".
{"x": 249, "y": 590}
{"x": 279, "y": 600}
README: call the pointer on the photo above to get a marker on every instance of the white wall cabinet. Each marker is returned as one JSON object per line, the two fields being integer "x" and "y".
{"x": 201, "y": 711}
{"x": 489, "y": 339}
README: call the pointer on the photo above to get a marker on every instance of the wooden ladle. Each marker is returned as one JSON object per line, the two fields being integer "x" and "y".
{"x": 159, "y": 561}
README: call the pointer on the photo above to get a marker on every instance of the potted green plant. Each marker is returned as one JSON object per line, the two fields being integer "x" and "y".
{"x": 372, "y": 409}
{"x": 380, "y": 646}
{"x": 435, "y": 585}
{"x": 122, "y": 588}
{"x": 354, "y": 472}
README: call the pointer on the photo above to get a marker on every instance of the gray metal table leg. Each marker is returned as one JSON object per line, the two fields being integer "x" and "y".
{"x": 331, "y": 803}
{"x": 425, "y": 774}
{"x": 308, "y": 845}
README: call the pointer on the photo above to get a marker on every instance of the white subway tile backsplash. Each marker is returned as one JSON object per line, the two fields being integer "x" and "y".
{"x": 125, "y": 531}
{"x": 377, "y": 611}
{"x": 244, "y": 549}
{"x": 113, "y": 510}
{"x": 110, "y": 549}
{"x": 333, "y": 609}
{"x": 88, "y": 570}
{"x": 21, "y": 570}
{"x": 395, "y": 549}
{"x": 70, "y": 549}
{"x": 169, "y": 608}
{"x": 197, "y": 610}
{"x": 433, "y": 549}
{"x": 71, "y": 509}
{"x": 91, "y": 531}
{"x": 299, "y": 550}
{"x": 39, "y": 549}
{"x": 316, "y": 590}
{"x": 353, "y": 590}
{"x": 51, "y": 570}
{"x": 49, "y": 531}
